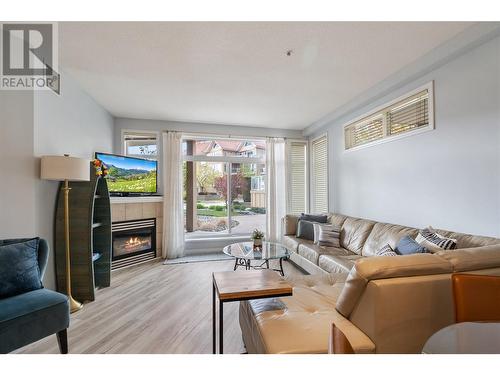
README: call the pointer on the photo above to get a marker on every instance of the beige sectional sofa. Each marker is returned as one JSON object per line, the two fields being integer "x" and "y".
{"x": 381, "y": 304}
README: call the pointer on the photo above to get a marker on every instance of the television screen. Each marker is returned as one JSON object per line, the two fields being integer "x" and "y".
{"x": 129, "y": 175}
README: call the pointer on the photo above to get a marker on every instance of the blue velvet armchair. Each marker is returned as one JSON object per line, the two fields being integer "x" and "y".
{"x": 31, "y": 316}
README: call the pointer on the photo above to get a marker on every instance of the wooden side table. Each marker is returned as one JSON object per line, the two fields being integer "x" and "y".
{"x": 243, "y": 286}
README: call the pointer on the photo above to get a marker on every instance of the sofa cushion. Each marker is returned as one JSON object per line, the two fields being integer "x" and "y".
{"x": 309, "y": 251}
{"x": 354, "y": 234}
{"x": 292, "y": 243}
{"x": 312, "y": 252}
{"x": 337, "y": 263}
{"x": 408, "y": 245}
{"x": 30, "y": 316}
{"x": 306, "y": 318}
{"x": 374, "y": 268}
{"x": 385, "y": 234}
{"x": 19, "y": 271}
{"x": 337, "y": 219}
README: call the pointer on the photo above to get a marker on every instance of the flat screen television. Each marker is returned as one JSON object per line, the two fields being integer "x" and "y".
{"x": 128, "y": 175}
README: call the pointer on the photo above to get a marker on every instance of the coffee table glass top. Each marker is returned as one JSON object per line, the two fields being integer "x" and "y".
{"x": 245, "y": 250}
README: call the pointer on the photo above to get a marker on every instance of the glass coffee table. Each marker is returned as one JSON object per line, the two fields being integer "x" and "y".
{"x": 244, "y": 253}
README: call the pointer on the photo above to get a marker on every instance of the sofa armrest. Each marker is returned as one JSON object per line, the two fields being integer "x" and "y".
{"x": 289, "y": 224}
{"x": 349, "y": 339}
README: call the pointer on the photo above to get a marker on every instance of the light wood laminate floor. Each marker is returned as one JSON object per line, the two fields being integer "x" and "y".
{"x": 153, "y": 308}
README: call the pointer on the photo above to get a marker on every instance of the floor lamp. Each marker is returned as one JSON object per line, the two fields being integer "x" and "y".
{"x": 66, "y": 168}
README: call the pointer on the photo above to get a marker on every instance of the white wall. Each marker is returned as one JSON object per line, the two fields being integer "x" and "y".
{"x": 39, "y": 123}
{"x": 71, "y": 123}
{"x": 17, "y": 166}
{"x": 448, "y": 178}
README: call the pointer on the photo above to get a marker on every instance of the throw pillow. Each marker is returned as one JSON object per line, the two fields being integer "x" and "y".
{"x": 316, "y": 218}
{"x": 19, "y": 271}
{"x": 305, "y": 230}
{"x": 408, "y": 245}
{"x": 432, "y": 240}
{"x": 386, "y": 251}
{"x": 327, "y": 235}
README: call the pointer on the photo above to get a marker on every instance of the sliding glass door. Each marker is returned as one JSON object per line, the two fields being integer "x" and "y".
{"x": 224, "y": 187}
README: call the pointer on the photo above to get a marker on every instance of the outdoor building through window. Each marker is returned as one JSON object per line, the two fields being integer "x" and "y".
{"x": 224, "y": 186}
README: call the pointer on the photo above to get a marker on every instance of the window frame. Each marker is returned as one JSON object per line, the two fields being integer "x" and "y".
{"x": 378, "y": 111}
{"x": 156, "y": 134}
{"x": 312, "y": 178}
{"x": 228, "y": 161}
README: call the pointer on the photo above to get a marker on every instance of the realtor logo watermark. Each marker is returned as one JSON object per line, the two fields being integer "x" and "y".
{"x": 29, "y": 57}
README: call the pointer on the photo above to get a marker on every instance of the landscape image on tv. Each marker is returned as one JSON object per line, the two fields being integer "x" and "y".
{"x": 129, "y": 175}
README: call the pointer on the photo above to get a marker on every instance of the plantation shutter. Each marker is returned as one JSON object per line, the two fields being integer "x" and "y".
{"x": 319, "y": 177}
{"x": 412, "y": 113}
{"x": 298, "y": 183}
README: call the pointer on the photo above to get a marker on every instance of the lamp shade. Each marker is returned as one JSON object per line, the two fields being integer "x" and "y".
{"x": 61, "y": 168}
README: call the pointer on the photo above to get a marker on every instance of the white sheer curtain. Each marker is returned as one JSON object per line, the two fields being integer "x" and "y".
{"x": 275, "y": 186}
{"x": 173, "y": 215}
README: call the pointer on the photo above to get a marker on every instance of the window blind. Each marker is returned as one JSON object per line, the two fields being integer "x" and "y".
{"x": 298, "y": 183}
{"x": 412, "y": 113}
{"x": 365, "y": 132}
{"x": 406, "y": 115}
{"x": 319, "y": 175}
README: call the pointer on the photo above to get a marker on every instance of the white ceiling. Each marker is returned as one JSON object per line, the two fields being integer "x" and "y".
{"x": 238, "y": 73}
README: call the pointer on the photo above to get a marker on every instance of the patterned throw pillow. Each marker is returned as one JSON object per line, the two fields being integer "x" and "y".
{"x": 327, "y": 235}
{"x": 386, "y": 251}
{"x": 433, "y": 241}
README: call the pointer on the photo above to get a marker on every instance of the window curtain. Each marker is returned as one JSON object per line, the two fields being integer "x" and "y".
{"x": 173, "y": 217}
{"x": 276, "y": 187}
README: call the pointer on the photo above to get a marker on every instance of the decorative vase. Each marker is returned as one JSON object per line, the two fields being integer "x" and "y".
{"x": 257, "y": 243}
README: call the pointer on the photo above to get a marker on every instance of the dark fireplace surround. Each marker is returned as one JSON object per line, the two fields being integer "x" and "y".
{"x": 134, "y": 241}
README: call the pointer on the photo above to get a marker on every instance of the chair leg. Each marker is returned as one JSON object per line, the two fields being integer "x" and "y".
{"x": 62, "y": 341}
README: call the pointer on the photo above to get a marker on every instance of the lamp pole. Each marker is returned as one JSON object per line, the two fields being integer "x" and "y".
{"x": 73, "y": 304}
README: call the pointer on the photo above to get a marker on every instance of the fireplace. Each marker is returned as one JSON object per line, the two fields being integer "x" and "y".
{"x": 134, "y": 241}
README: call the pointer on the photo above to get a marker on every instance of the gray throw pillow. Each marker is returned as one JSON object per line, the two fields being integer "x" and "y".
{"x": 327, "y": 235}
{"x": 19, "y": 271}
{"x": 315, "y": 218}
{"x": 305, "y": 230}
{"x": 408, "y": 245}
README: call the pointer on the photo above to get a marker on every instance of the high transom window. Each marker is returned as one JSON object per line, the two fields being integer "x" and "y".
{"x": 409, "y": 114}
